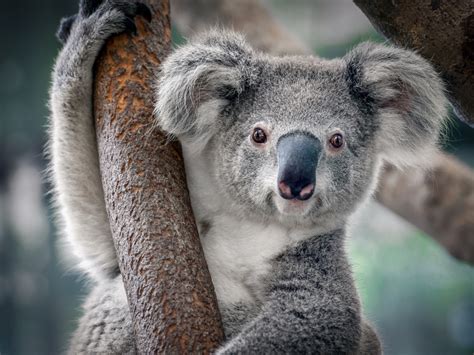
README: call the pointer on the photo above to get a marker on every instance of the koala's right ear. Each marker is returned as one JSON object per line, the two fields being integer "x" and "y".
{"x": 198, "y": 81}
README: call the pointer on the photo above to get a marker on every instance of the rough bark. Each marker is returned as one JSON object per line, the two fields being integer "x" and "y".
{"x": 169, "y": 289}
{"x": 442, "y": 31}
{"x": 445, "y": 211}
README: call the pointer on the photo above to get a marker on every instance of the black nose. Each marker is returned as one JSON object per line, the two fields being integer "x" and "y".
{"x": 298, "y": 155}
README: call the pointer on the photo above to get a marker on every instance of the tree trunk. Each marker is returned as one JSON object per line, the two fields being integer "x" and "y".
{"x": 441, "y": 31}
{"x": 169, "y": 289}
{"x": 445, "y": 211}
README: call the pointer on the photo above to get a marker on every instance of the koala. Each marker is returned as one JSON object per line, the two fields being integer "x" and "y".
{"x": 279, "y": 153}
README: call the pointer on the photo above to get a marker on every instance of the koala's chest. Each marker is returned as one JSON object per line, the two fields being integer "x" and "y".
{"x": 239, "y": 257}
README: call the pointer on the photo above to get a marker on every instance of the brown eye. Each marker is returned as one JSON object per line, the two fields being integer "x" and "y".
{"x": 259, "y": 136}
{"x": 336, "y": 140}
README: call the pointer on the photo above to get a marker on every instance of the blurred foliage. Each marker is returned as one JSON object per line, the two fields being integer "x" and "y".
{"x": 38, "y": 298}
{"x": 421, "y": 299}
{"x": 333, "y": 51}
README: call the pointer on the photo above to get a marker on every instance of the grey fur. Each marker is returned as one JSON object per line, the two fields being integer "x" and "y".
{"x": 106, "y": 326}
{"x": 311, "y": 304}
{"x": 280, "y": 270}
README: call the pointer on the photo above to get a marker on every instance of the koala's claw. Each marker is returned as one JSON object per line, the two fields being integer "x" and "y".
{"x": 130, "y": 26}
{"x": 64, "y": 29}
{"x": 144, "y": 11}
{"x": 88, "y": 7}
{"x": 132, "y": 9}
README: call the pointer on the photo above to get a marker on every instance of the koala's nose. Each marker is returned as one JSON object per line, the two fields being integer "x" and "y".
{"x": 298, "y": 155}
{"x": 296, "y": 190}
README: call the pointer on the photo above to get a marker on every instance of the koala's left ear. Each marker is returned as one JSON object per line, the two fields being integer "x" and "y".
{"x": 198, "y": 81}
{"x": 405, "y": 97}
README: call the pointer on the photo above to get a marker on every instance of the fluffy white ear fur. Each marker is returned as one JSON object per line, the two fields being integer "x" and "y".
{"x": 197, "y": 82}
{"x": 405, "y": 94}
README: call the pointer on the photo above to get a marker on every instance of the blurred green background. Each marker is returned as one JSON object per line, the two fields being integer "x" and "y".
{"x": 420, "y": 299}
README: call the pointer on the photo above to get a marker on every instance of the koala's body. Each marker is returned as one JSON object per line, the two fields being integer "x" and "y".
{"x": 279, "y": 153}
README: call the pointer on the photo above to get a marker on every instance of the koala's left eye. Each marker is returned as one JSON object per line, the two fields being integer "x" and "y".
{"x": 259, "y": 136}
{"x": 336, "y": 140}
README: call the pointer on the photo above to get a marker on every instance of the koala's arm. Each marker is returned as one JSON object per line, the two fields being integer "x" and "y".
{"x": 312, "y": 307}
{"x": 72, "y": 148}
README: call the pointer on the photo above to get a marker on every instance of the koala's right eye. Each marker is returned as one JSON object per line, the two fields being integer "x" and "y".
{"x": 259, "y": 136}
{"x": 336, "y": 140}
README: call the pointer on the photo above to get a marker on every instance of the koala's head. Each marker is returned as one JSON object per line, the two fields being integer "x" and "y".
{"x": 299, "y": 139}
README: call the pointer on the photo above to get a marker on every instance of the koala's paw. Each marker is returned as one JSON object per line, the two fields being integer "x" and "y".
{"x": 88, "y": 7}
{"x": 103, "y": 18}
{"x": 115, "y": 16}
{"x": 65, "y": 28}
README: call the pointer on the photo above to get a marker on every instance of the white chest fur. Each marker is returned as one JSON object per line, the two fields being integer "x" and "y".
{"x": 238, "y": 255}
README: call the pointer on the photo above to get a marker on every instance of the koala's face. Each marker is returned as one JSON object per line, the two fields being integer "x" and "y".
{"x": 298, "y": 139}
{"x": 289, "y": 147}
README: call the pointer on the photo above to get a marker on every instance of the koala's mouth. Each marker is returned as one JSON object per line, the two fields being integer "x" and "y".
{"x": 293, "y": 207}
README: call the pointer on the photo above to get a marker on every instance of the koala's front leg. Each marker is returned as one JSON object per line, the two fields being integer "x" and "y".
{"x": 312, "y": 306}
{"x": 73, "y": 150}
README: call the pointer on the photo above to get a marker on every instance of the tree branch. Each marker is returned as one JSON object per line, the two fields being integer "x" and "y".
{"x": 246, "y": 16}
{"x": 441, "y": 31}
{"x": 449, "y": 185}
{"x": 169, "y": 289}
{"x": 440, "y": 201}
